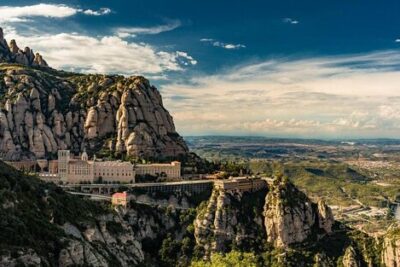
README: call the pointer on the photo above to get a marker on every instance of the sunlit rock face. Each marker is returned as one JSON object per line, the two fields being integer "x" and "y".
{"x": 11, "y": 53}
{"x": 226, "y": 221}
{"x": 391, "y": 248}
{"x": 44, "y": 110}
{"x": 290, "y": 217}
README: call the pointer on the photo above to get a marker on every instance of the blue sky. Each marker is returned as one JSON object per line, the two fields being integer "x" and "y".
{"x": 277, "y": 68}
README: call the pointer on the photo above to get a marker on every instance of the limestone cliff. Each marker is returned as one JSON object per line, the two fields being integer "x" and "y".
{"x": 44, "y": 110}
{"x": 229, "y": 220}
{"x": 350, "y": 258}
{"x": 290, "y": 217}
{"x": 391, "y": 248}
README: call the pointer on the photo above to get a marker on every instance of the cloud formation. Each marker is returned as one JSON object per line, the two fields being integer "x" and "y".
{"x": 221, "y": 44}
{"x": 341, "y": 96}
{"x": 108, "y": 54}
{"x": 86, "y": 53}
{"x": 124, "y": 32}
{"x": 23, "y": 13}
{"x": 100, "y": 12}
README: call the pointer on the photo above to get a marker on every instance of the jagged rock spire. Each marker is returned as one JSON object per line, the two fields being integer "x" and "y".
{"x": 39, "y": 61}
{"x": 291, "y": 217}
{"x": 11, "y": 53}
{"x": 13, "y": 46}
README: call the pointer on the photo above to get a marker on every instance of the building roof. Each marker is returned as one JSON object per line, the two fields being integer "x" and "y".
{"x": 113, "y": 163}
{"x": 120, "y": 195}
{"x": 172, "y": 164}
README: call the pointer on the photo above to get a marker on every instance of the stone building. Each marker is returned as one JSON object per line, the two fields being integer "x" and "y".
{"x": 119, "y": 199}
{"x": 240, "y": 184}
{"x": 168, "y": 170}
{"x": 78, "y": 170}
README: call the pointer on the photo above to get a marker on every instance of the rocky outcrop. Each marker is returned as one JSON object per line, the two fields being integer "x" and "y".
{"x": 321, "y": 260}
{"x": 21, "y": 257}
{"x": 391, "y": 248}
{"x": 121, "y": 115}
{"x": 97, "y": 244}
{"x": 44, "y": 110}
{"x": 225, "y": 221}
{"x": 290, "y": 217}
{"x": 11, "y": 53}
{"x": 350, "y": 258}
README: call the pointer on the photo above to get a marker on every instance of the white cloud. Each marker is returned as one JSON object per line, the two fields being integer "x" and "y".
{"x": 352, "y": 95}
{"x": 23, "y": 13}
{"x": 397, "y": 40}
{"x": 186, "y": 59}
{"x": 290, "y": 21}
{"x": 108, "y": 54}
{"x": 206, "y": 40}
{"x": 100, "y": 12}
{"x": 221, "y": 44}
{"x": 124, "y": 32}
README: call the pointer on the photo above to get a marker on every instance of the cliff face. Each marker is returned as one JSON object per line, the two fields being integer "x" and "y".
{"x": 286, "y": 217}
{"x": 350, "y": 258}
{"x": 290, "y": 217}
{"x": 44, "y": 110}
{"x": 226, "y": 221}
{"x": 391, "y": 248}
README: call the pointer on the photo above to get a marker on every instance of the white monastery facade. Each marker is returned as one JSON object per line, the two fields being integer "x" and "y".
{"x": 78, "y": 170}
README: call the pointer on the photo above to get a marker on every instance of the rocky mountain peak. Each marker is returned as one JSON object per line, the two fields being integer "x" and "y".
{"x": 13, "y": 46}
{"x": 124, "y": 116}
{"x": 291, "y": 217}
{"x": 11, "y": 53}
{"x": 43, "y": 111}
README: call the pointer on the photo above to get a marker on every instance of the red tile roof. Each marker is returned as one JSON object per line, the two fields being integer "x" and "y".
{"x": 119, "y": 195}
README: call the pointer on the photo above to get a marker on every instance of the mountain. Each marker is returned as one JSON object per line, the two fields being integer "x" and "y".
{"x": 41, "y": 225}
{"x": 13, "y": 54}
{"x": 44, "y": 110}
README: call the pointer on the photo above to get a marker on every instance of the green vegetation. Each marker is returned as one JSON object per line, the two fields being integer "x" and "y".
{"x": 31, "y": 211}
{"x": 175, "y": 243}
{"x": 232, "y": 259}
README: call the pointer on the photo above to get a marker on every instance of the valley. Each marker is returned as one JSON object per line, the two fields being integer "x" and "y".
{"x": 359, "y": 179}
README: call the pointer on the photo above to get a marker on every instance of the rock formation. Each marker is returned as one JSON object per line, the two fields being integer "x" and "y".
{"x": 391, "y": 248}
{"x": 96, "y": 244}
{"x": 226, "y": 221}
{"x": 11, "y": 53}
{"x": 290, "y": 217}
{"x": 44, "y": 110}
{"x": 350, "y": 258}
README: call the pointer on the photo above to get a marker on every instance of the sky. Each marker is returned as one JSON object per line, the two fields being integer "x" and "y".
{"x": 307, "y": 69}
